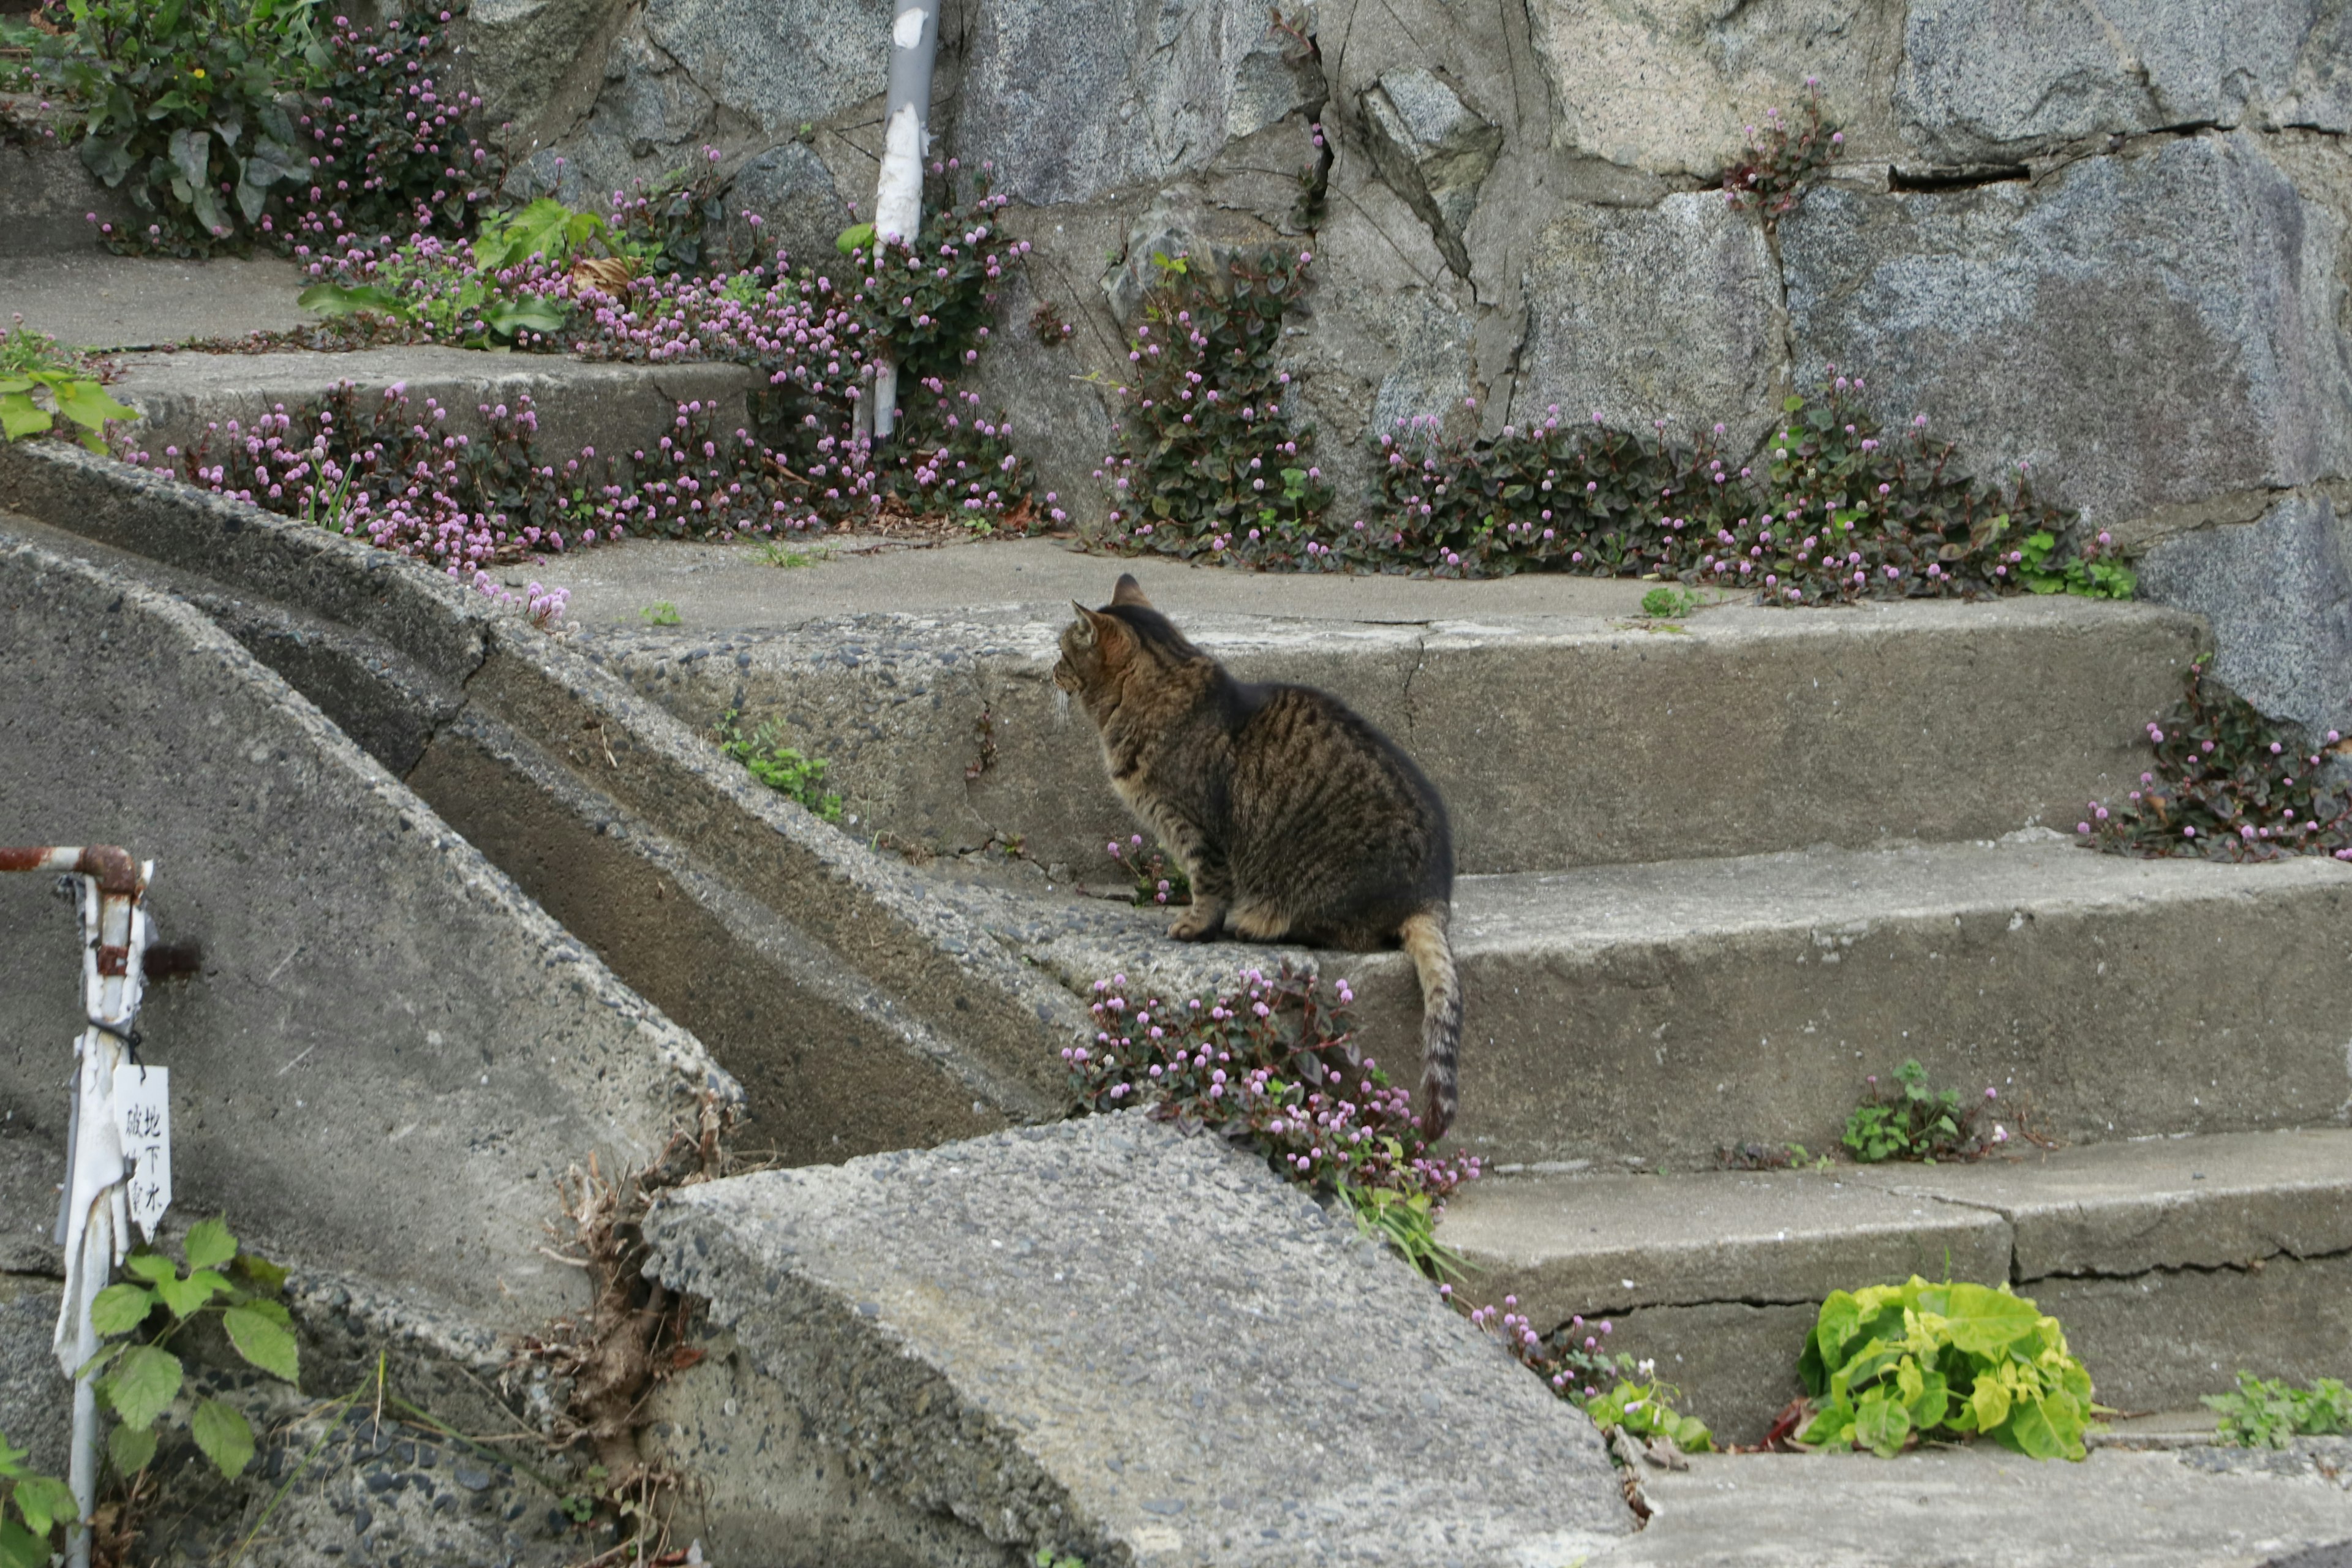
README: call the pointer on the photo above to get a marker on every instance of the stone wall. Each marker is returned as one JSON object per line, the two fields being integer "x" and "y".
{"x": 2110, "y": 242}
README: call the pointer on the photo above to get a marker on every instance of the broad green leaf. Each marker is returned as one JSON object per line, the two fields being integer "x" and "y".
{"x": 88, "y": 404}
{"x": 2028, "y": 1430}
{"x": 209, "y": 1244}
{"x": 336, "y": 300}
{"x": 20, "y": 416}
{"x": 191, "y": 152}
{"x": 267, "y": 1344}
{"x": 1990, "y": 1400}
{"x": 150, "y": 1266}
{"x": 19, "y": 1547}
{"x": 44, "y": 1500}
{"x": 858, "y": 237}
{"x": 224, "y": 1434}
{"x": 109, "y": 157}
{"x": 141, "y": 1384}
{"x": 188, "y": 1297}
{"x": 121, "y": 1307}
{"x": 1881, "y": 1423}
{"x": 264, "y": 1274}
{"x": 132, "y": 1448}
{"x": 206, "y": 204}
{"x": 1930, "y": 1402}
{"x": 1987, "y": 1322}
{"x": 533, "y": 315}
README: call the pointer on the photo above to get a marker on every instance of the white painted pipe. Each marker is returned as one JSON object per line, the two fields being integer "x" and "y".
{"x": 899, "y": 189}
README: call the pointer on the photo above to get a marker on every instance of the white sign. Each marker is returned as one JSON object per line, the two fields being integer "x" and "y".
{"x": 142, "y": 1114}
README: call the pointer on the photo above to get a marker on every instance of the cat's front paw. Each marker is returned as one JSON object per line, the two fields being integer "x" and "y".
{"x": 1196, "y": 924}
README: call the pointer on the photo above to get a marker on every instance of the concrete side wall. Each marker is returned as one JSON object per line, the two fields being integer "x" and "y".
{"x": 390, "y": 1051}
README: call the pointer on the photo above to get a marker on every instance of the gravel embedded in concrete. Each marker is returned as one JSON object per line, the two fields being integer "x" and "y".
{"x": 1113, "y": 1338}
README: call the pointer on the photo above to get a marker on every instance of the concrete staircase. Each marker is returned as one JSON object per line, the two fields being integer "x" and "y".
{"x": 1714, "y": 876}
{"x": 1717, "y": 878}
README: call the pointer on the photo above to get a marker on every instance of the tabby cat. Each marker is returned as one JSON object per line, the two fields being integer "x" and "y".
{"x": 1296, "y": 820}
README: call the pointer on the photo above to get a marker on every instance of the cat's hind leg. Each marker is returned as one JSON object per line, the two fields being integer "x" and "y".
{"x": 1256, "y": 921}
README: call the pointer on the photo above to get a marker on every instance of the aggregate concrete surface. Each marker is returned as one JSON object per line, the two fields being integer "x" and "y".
{"x": 1112, "y": 1338}
{"x": 1979, "y": 1507}
{"x": 88, "y": 299}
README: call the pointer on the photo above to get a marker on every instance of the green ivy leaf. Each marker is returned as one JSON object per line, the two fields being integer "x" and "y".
{"x": 224, "y": 1434}
{"x": 132, "y": 1449}
{"x": 263, "y": 1340}
{"x": 143, "y": 1384}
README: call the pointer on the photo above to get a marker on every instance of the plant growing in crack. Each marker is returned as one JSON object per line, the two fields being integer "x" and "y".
{"x": 777, "y": 765}
{"x": 2227, "y": 784}
{"x": 1156, "y": 881}
{"x": 1782, "y": 160}
{"x": 1909, "y": 1120}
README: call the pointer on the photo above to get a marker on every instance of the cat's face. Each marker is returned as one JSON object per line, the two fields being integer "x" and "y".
{"x": 1096, "y": 645}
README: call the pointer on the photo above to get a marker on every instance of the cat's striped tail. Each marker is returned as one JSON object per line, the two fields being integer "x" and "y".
{"x": 1423, "y": 934}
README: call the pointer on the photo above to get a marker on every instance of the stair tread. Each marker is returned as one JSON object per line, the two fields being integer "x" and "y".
{"x": 2110, "y": 1209}
{"x": 1599, "y": 906}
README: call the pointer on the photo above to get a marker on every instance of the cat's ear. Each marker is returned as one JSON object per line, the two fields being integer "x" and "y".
{"x": 1085, "y": 628}
{"x": 1129, "y": 592}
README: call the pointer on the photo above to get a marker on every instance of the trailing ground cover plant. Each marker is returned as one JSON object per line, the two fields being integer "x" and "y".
{"x": 1909, "y": 1120}
{"x": 1271, "y": 1065}
{"x": 1782, "y": 160}
{"x": 1156, "y": 881}
{"x": 2226, "y": 784}
{"x": 1612, "y": 1388}
{"x": 1831, "y": 510}
{"x": 2268, "y": 1413}
{"x": 1212, "y": 460}
{"x": 1891, "y": 1363}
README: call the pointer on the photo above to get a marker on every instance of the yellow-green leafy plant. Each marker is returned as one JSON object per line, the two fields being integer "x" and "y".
{"x": 1893, "y": 1362}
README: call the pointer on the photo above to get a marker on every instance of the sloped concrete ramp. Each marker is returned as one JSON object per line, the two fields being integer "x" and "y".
{"x": 391, "y": 1050}
{"x": 1113, "y": 1339}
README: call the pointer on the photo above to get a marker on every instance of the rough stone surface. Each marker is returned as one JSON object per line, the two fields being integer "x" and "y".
{"x": 1982, "y": 1504}
{"x": 1113, "y": 1339}
{"x": 1980, "y": 84}
{"x": 1137, "y": 92}
{"x": 2278, "y": 594}
{"x": 1667, "y": 88}
{"x": 35, "y": 1403}
{"x": 48, "y": 196}
{"x": 1434, "y": 150}
{"x": 376, "y": 998}
{"x": 2144, "y": 329}
{"x": 776, "y": 66}
{"x": 1603, "y": 283}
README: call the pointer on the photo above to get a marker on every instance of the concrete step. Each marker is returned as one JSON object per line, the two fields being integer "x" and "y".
{"x": 2172, "y": 1263}
{"x": 1653, "y": 1015}
{"x": 1558, "y": 740}
{"x": 864, "y": 1011}
{"x": 615, "y": 409}
{"x": 1106, "y": 1339}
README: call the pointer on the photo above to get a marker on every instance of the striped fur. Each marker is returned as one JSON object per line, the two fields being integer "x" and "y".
{"x": 1295, "y": 819}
